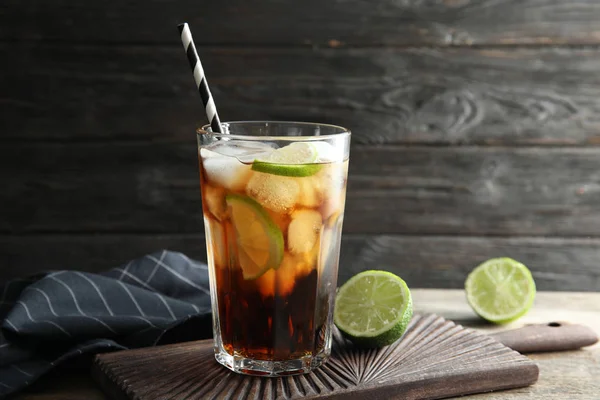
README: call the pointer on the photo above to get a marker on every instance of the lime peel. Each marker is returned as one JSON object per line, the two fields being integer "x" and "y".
{"x": 373, "y": 309}
{"x": 254, "y": 246}
{"x": 297, "y": 160}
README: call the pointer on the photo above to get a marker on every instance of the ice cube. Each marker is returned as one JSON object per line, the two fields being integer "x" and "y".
{"x": 293, "y": 267}
{"x": 227, "y": 163}
{"x": 286, "y": 275}
{"x": 266, "y": 283}
{"x": 281, "y": 220}
{"x": 329, "y": 153}
{"x": 330, "y": 242}
{"x": 225, "y": 171}
{"x": 277, "y": 193}
{"x": 333, "y": 205}
{"x": 214, "y": 199}
{"x": 311, "y": 192}
{"x": 333, "y": 179}
{"x": 205, "y": 153}
{"x": 216, "y": 243}
{"x": 244, "y": 150}
{"x": 304, "y": 230}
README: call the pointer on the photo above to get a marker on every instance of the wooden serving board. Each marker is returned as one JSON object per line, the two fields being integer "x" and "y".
{"x": 435, "y": 359}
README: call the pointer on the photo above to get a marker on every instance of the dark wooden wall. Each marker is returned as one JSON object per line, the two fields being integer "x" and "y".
{"x": 476, "y": 127}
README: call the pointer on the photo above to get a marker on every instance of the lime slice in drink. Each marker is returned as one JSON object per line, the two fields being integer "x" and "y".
{"x": 373, "y": 309}
{"x": 259, "y": 240}
{"x": 500, "y": 290}
{"x": 296, "y": 159}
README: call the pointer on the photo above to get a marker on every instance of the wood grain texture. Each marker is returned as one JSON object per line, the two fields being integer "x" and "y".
{"x": 63, "y": 385}
{"x": 105, "y": 90}
{"x": 434, "y": 261}
{"x": 553, "y": 336}
{"x": 474, "y": 190}
{"x": 434, "y": 359}
{"x": 153, "y": 188}
{"x": 560, "y": 381}
{"x": 573, "y": 307}
{"x": 312, "y": 22}
{"x": 25, "y": 255}
{"x": 514, "y": 96}
{"x": 423, "y": 261}
{"x": 562, "y": 375}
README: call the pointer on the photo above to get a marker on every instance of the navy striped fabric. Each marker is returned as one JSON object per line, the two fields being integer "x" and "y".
{"x": 57, "y": 316}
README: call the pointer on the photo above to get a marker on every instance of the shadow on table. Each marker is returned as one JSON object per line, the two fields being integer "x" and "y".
{"x": 472, "y": 322}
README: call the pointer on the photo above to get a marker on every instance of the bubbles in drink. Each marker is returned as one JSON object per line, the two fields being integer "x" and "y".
{"x": 279, "y": 313}
{"x": 311, "y": 192}
{"x": 277, "y": 193}
{"x": 304, "y": 230}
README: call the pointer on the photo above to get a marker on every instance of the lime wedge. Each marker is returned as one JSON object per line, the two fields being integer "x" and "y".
{"x": 296, "y": 159}
{"x": 373, "y": 309}
{"x": 259, "y": 239}
{"x": 500, "y": 290}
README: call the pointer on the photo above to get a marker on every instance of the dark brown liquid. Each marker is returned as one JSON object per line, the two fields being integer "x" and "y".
{"x": 271, "y": 327}
{"x": 286, "y": 313}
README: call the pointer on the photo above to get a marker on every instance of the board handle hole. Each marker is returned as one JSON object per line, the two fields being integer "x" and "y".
{"x": 554, "y": 324}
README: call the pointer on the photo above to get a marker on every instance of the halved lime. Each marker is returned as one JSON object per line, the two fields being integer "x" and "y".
{"x": 373, "y": 309}
{"x": 500, "y": 290}
{"x": 259, "y": 239}
{"x": 297, "y": 159}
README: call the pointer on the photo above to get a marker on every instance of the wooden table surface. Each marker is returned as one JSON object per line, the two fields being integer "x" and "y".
{"x": 564, "y": 375}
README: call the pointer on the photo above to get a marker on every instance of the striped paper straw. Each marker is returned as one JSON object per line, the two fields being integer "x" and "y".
{"x": 199, "y": 77}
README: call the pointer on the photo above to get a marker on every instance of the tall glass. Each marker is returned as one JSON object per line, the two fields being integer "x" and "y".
{"x": 273, "y": 197}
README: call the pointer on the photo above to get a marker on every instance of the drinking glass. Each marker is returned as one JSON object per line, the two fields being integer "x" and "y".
{"x": 273, "y": 197}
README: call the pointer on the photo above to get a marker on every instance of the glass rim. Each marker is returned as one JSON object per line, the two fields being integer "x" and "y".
{"x": 343, "y": 131}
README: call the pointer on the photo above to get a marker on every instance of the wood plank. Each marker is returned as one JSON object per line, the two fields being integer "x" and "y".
{"x": 546, "y": 96}
{"x": 63, "y": 385}
{"x": 562, "y": 375}
{"x": 549, "y": 306}
{"x": 570, "y": 374}
{"x": 26, "y": 255}
{"x": 474, "y": 190}
{"x": 99, "y": 188}
{"x": 153, "y": 188}
{"x": 445, "y": 360}
{"x": 423, "y": 261}
{"x": 444, "y": 262}
{"x": 311, "y": 22}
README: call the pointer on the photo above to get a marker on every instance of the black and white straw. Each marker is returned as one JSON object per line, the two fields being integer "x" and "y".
{"x": 199, "y": 77}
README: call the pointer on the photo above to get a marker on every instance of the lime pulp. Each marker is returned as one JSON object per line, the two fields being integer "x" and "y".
{"x": 296, "y": 159}
{"x": 259, "y": 240}
{"x": 500, "y": 290}
{"x": 373, "y": 309}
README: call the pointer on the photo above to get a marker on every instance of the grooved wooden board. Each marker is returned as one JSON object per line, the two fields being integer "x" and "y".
{"x": 435, "y": 359}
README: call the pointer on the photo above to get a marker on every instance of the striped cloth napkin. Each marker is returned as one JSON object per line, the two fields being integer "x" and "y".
{"x": 54, "y": 317}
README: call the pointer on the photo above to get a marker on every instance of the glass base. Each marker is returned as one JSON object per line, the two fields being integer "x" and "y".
{"x": 248, "y": 366}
